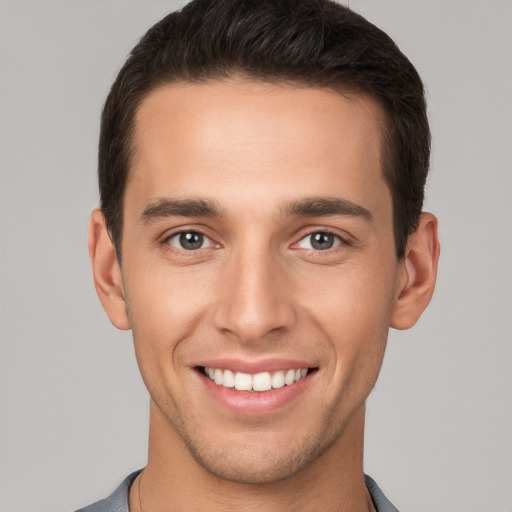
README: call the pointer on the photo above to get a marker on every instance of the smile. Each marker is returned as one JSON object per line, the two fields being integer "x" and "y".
{"x": 263, "y": 381}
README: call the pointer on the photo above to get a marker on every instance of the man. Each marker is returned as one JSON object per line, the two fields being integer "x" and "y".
{"x": 261, "y": 170}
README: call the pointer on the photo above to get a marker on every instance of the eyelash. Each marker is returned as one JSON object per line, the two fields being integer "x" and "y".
{"x": 179, "y": 234}
{"x": 338, "y": 241}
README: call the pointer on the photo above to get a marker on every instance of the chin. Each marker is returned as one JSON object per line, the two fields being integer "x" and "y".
{"x": 249, "y": 470}
{"x": 257, "y": 462}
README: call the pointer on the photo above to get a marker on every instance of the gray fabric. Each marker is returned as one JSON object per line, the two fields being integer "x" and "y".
{"x": 381, "y": 503}
{"x": 118, "y": 500}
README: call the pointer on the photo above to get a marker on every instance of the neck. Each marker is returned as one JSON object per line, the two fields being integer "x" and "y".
{"x": 334, "y": 481}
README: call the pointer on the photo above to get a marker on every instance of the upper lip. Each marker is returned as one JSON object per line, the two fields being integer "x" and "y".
{"x": 253, "y": 367}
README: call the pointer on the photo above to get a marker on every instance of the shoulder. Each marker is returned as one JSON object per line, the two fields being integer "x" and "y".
{"x": 382, "y": 504}
{"x": 117, "y": 501}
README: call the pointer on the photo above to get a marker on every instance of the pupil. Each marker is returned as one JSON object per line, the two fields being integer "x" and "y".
{"x": 322, "y": 241}
{"x": 191, "y": 241}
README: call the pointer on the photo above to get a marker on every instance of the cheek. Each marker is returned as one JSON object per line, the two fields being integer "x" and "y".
{"x": 353, "y": 309}
{"x": 164, "y": 309}
{"x": 356, "y": 295}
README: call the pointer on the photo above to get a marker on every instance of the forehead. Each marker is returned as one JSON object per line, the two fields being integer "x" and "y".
{"x": 254, "y": 138}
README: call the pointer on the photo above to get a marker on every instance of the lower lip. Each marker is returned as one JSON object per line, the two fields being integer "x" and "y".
{"x": 255, "y": 402}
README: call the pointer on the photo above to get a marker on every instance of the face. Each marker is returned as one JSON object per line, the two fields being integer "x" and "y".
{"x": 259, "y": 269}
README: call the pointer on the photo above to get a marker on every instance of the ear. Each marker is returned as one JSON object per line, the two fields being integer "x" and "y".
{"x": 417, "y": 274}
{"x": 107, "y": 272}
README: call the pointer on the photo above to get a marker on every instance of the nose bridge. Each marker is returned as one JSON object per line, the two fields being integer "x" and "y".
{"x": 255, "y": 299}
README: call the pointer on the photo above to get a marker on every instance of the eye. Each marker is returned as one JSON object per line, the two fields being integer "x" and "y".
{"x": 189, "y": 241}
{"x": 319, "y": 241}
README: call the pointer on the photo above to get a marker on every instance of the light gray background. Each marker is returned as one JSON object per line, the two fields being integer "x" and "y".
{"x": 73, "y": 410}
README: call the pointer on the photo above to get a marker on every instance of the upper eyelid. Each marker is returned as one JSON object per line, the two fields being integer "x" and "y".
{"x": 300, "y": 234}
{"x": 305, "y": 232}
{"x": 168, "y": 233}
{"x": 343, "y": 241}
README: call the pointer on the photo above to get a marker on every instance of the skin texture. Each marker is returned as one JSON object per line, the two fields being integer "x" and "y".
{"x": 257, "y": 291}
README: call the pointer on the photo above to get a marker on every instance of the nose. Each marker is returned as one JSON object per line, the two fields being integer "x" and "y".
{"x": 255, "y": 299}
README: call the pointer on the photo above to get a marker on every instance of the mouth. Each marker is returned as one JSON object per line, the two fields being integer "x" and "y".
{"x": 256, "y": 388}
{"x": 257, "y": 382}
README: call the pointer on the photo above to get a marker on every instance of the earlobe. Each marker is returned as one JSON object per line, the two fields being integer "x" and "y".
{"x": 418, "y": 274}
{"x": 107, "y": 273}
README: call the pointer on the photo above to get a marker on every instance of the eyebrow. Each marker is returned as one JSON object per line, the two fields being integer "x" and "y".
{"x": 309, "y": 207}
{"x": 326, "y": 206}
{"x": 162, "y": 208}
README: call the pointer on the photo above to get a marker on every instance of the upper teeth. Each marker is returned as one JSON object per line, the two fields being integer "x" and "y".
{"x": 255, "y": 382}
